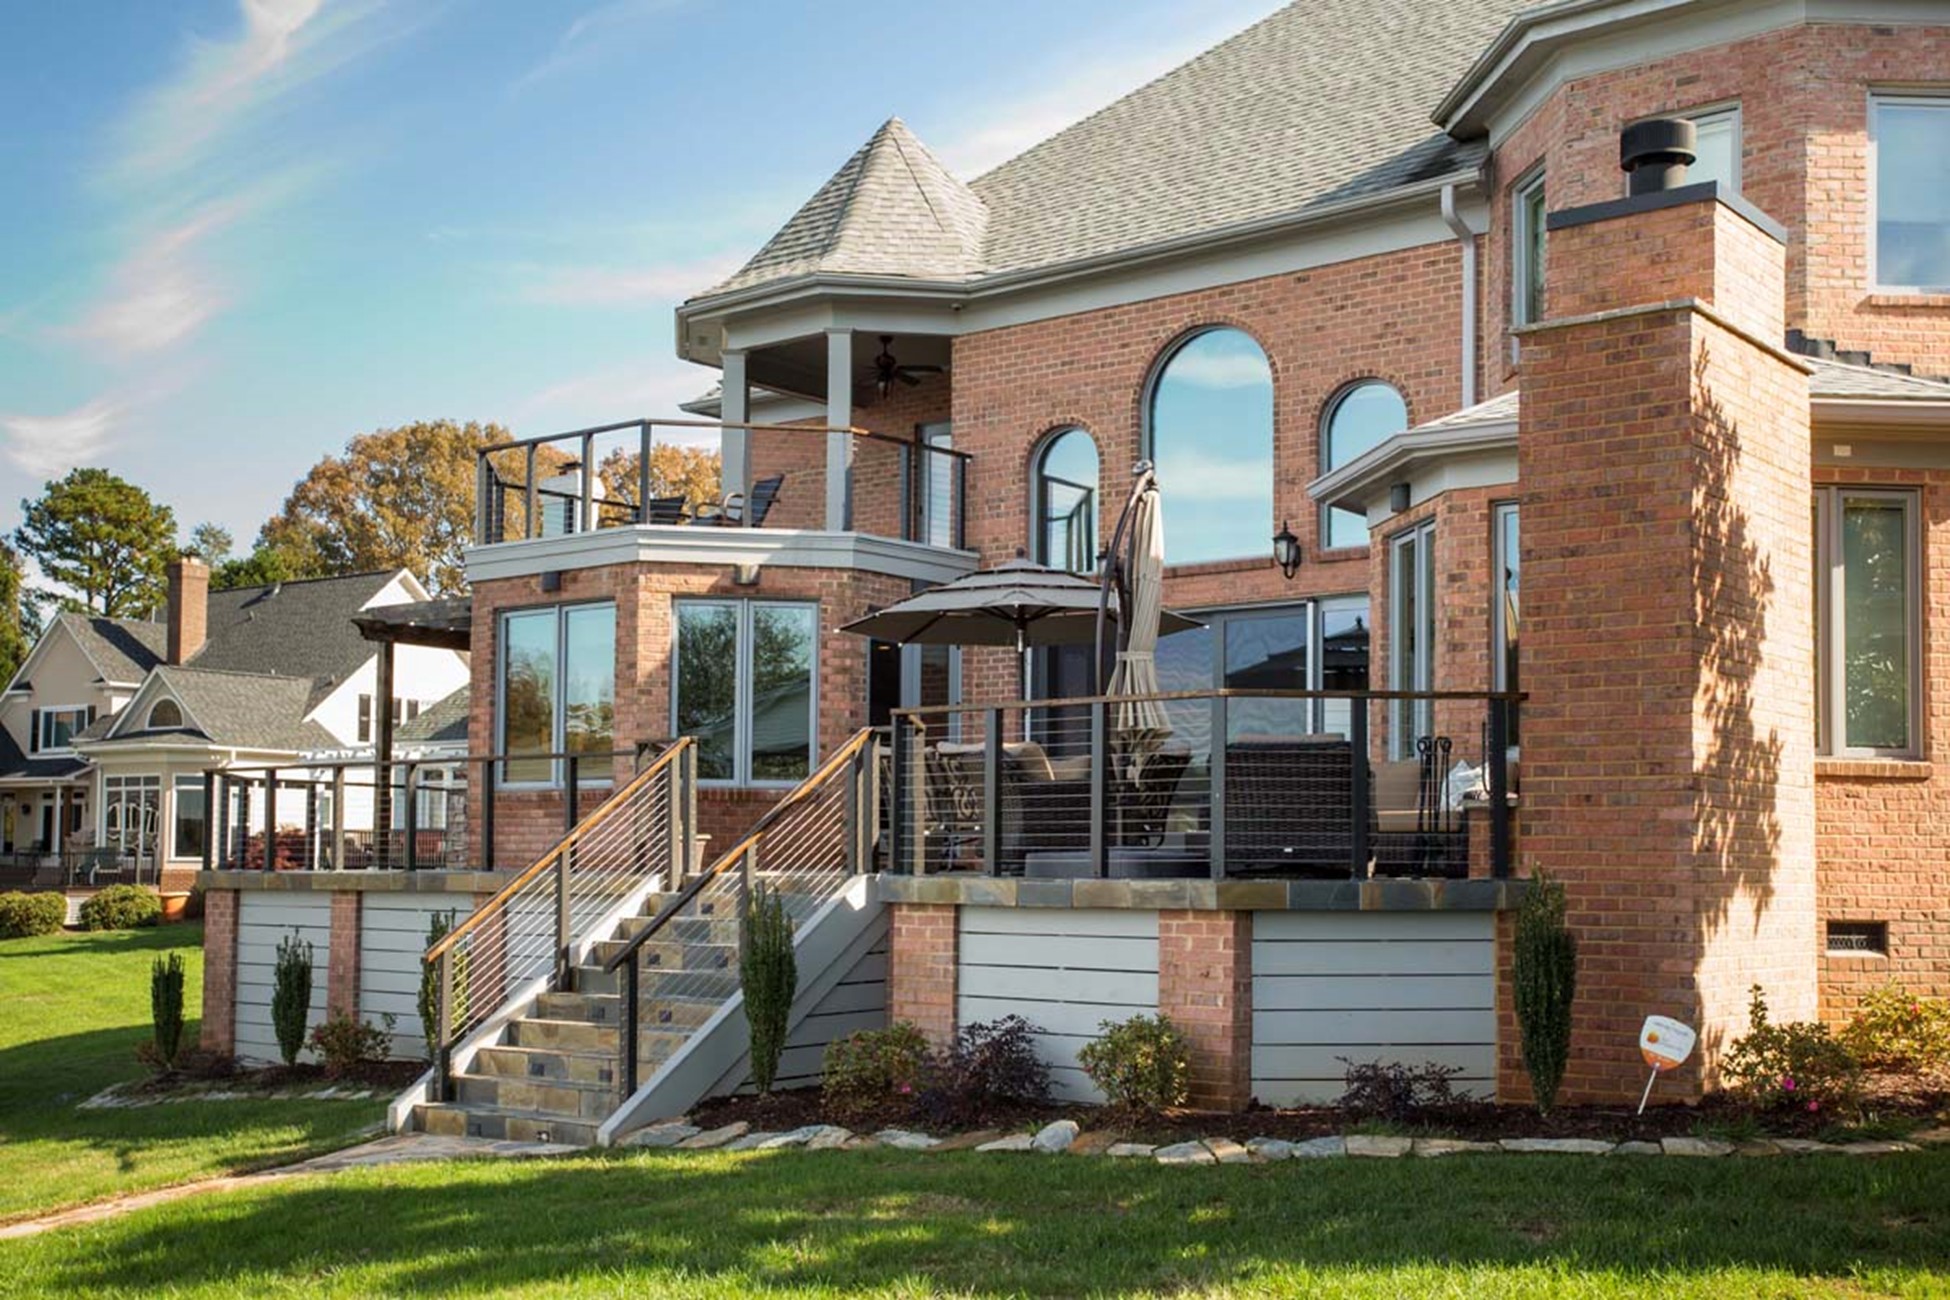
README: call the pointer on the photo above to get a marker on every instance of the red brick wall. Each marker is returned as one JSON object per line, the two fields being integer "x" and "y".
{"x": 1803, "y": 94}
{"x": 922, "y": 951}
{"x": 877, "y": 466}
{"x": 342, "y": 955}
{"x": 1205, "y": 987}
{"x": 219, "y": 1028}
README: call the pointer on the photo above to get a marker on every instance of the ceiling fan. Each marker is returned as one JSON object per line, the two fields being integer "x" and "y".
{"x": 886, "y": 370}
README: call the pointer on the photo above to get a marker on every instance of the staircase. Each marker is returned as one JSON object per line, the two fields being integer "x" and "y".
{"x": 548, "y": 1065}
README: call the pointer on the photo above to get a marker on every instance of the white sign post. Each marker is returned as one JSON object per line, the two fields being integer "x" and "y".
{"x": 1664, "y": 1043}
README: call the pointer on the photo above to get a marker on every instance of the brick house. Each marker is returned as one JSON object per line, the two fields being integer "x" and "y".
{"x": 1657, "y": 453}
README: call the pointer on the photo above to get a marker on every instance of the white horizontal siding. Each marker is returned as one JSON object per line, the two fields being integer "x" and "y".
{"x": 392, "y": 941}
{"x": 1064, "y": 971}
{"x": 1408, "y": 987}
{"x": 263, "y": 920}
{"x": 858, "y": 1001}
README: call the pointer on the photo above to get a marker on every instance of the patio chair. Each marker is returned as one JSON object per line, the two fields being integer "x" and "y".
{"x": 730, "y": 512}
{"x": 666, "y": 510}
{"x": 1289, "y": 806}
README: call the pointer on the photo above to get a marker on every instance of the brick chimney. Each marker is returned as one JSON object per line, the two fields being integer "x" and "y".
{"x": 1668, "y": 746}
{"x": 189, "y": 606}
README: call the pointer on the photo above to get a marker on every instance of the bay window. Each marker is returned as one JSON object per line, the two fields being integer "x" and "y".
{"x": 745, "y": 689}
{"x": 557, "y": 690}
{"x": 1867, "y": 591}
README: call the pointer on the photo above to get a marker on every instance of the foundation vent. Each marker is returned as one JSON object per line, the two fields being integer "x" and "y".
{"x": 1855, "y": 938}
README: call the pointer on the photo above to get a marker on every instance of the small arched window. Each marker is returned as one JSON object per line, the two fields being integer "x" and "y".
{"x": 1210, "y": 434}
{"x": 1357, "y": 421}
{"x": 1066, "y": 476}
{"x": 164, "y": 714}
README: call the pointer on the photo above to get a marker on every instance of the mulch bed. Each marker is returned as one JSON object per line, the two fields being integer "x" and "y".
{"x": 198, "y": 1070}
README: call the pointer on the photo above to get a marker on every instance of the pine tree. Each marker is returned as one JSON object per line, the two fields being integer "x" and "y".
{"x": 166, "y": 1006}
{"x": 1546, "y": 981}
{"x": 291, "y": 996}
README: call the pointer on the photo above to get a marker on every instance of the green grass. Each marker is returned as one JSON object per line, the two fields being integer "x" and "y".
{"x": 73, "y": 1008}
{"x": 888, "y": 1223}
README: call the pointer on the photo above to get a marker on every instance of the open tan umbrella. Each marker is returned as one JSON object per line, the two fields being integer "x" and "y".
{"x": 1141, "y": 723}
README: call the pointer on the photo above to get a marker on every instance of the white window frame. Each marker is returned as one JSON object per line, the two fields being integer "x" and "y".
{"x": 741, "y": 739}
{"x": 1702, "y": 118}
{"x": 45, "y": 716}
{"x": 115, "y": 792}
{"x": 1830, "y": 635}
{"x": 181, "y": 781}
{"x": 1411, "y": 552}
{"x": 587, "y": 774}
{"x": 1520, "y": 243}
{"x": 1877, "y": 99}
{"x": 149, "y": 722}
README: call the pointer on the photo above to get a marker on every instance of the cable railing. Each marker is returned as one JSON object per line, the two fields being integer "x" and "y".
{"x": 805, "y": 847}
{"x": 528, "y": 937}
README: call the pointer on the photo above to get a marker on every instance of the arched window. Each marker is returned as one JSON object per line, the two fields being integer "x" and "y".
{"x": 1210, "y": 432}
{"x": 164, "y": 714}
{"x": 1066, "y": 476}
{"x": 1357, "y": 421}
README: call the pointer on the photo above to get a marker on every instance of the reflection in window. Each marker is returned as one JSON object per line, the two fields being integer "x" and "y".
{"x": 1066, "y": 502}
{"x": 1357, "y": 422}
{"x": 1866, "y": 545}
{"x": 745, "y": 688}
{"x": 1211, "y": 437}
{"x": 558, "y": 688}
{"x": 188, "y": 816}
{"x": 1527, "y": 252}
{"x": 1310, "y": 646}
{"x": 1717, "y": 148}
{"x": 1506, "y": 616}
{"x": 1411, "y": 635}
{"x": 1912, "y": 192}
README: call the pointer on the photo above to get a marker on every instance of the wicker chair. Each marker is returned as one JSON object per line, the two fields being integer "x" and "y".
{"x": 1288, "y": 806}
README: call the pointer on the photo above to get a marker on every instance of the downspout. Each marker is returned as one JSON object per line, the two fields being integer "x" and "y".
{"x": 1467, "y": 238}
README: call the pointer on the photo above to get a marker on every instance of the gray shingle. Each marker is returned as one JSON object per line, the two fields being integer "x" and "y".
{"x": 291, "y": 629}
{"x": 1836, "y": 379}
{"x": 123, "y": 649}
{"x": 247, "y": 710}
{"x": 441, "y": 723}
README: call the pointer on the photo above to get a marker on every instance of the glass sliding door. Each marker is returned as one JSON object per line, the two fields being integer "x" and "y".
{"x": 1411, "y": 635}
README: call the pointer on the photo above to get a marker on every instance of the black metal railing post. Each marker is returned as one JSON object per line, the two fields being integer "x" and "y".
{"x": 1099, "y": 786}
{"x": 271, "y": 819}
{"x": 443, "y": 1056}
{"x": 897, "y": 794}
{"x": 487, "y": 814}
{"x": 961, "y": 504}
{"x": 1362, "y": 794}
{"x": 910, "y": 512}
{"x": 209, "y": 818}
{"x": 587, "y": 524}
{"x": 1215, "y": 812}
{"x": 992, "y": 791}
{"x": 411, "y": 816}
{"x": 626, "y": 1041}
{"x": 563, "y": 862}
{"x": 644, "y": 437}
{"x": 483, "y": 510}
{"x": 1499, "y": 787}
{"x": 531, "y": 526}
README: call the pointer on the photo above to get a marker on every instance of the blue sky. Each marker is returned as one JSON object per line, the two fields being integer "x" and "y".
{"x": 239, "y": 231}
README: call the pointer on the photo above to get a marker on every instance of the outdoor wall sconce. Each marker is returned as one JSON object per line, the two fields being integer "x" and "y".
{"x": 1286, "y": 550}
{"x": 1398, "y": 498}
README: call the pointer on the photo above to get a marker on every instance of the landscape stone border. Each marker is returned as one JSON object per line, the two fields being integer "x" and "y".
{"x": 122, "y": 1096}
{"x": 1065, "y": 1136}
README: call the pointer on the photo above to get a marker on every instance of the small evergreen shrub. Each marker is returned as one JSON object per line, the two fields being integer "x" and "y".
{"x": 121, "y": 907}
{"x": 875, "y": 1073}
{"x": 1396, "y": 1092}
{"x": 991, "y": 1064}
{"x": 291, "y": 996}
{"x": 1894, "y": 1029}
{"x": 1545, "y": 981}
{"x": 439, "y": 926}
{"x": 23, "y": 916}
{"x": 768, "y": 972}
{"x": 166, "y": 1007}
{"x": 1798, "y": 1066}
{"x": 346, "y": 1042}
{"x": 1140, "y": 1064}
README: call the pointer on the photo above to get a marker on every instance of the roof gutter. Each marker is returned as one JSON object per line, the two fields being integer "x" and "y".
{"x": 1467, "y": 238}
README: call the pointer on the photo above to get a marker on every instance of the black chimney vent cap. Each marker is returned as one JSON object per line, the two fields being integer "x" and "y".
{"x": 1656, "y": 153}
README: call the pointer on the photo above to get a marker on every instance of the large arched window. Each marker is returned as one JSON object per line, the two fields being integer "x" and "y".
{"x": 1357, "y": 421}
{"x": 1211, "y": 436}
{"x": 1065, "y": 487}
{"x": 164, "y": 714}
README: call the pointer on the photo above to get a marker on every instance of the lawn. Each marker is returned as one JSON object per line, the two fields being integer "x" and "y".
{"x": 889, "y": 1223}
{"x": 73, "y": 1007}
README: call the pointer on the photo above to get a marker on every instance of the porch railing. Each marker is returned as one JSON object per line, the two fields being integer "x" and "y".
{"x": 605, "y": 477}
{"x": 1220, "y": 784}
{"x": 78, "y": 868}
{"x": 426, "y": 812}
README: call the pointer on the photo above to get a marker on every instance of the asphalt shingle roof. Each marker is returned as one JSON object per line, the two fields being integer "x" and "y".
{"x": 246, "y": 710}
{"x": 292, "y": 629}
{"x": 1322, "y": 102}
{"x": 123, "y": 649}
{"x": 13, "y": 763}
{"x": 442, "y": 723}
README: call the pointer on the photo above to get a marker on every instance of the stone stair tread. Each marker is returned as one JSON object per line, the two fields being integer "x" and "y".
{"x": 575, "y": 1131}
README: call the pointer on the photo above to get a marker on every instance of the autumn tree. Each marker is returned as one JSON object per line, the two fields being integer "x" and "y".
{"x": 101, "y": 538}
{"x": 213, "y": 542}
{"x": 397, "y": 498}
{"x": 675, "y": 470}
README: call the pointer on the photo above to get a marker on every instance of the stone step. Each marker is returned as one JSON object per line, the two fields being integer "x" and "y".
{"x": 539, "y": 1063}
{"x": 676, "y": 954}
{"x": 591, "y": 1008}
{"x": 562, "y": 1035}
{"x": 575, "y": 1101}
{"x": 450, "y": 1120}
{"x": 688, "y": 985}
{"x": 676, "y": 1013}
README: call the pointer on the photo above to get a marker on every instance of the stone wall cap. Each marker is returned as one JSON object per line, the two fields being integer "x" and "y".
{"x": 1658, "y": 200}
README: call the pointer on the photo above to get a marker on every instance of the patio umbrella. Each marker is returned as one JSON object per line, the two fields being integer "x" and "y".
{"x": 1141, "y": 723}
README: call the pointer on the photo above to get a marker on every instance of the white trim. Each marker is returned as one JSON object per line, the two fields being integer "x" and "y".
{"x": 1356, "y": 485}
{"x": 792, "y": 548}
{"x": 38, "y": 719}
{"x": 1522, "y": 239}
{"x": 1417, "y": 541}
{"x": 1877, "y": 99}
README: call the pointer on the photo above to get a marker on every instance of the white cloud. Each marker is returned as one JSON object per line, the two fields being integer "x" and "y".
{"x": 1206, "y": 368}
{"x": 47, "y": 446}
{"x": 594, "y": 34}
{"x": 654, "y": 388}
{"x": 162, "y": 293}
{"x": 606, "y": 286}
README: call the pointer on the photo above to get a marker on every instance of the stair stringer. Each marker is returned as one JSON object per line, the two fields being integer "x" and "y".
{"x": 721, "y": 1046}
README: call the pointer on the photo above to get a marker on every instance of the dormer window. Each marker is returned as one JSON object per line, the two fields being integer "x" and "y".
{"x": 54, "y": 729}
{"x": 165, "y": 715}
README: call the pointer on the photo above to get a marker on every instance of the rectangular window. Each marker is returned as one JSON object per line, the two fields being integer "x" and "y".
{"x": 1910, "y": 166}
{"x": 131, "y": 813}
{"x": 1411, "y": 634}
{"x": 1505, "y": 612}
{"x": 189, "y": 821}
{"x": 1527, "y": 251}
{"x": 365, "y": 719}
{"x": 1309, "y": 645}
{"x": 1717, "y": 148}
{"x": 1867, "y": 550}
{"x": 557, "y": 689}
{"x": 746, "y": 688}
{"x": 58, "y": 726}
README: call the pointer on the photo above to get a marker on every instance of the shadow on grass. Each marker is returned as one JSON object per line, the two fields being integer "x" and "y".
{"x": 986, "y": 1225}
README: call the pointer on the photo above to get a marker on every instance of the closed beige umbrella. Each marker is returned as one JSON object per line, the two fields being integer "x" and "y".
{"x": 1141, "y": 723}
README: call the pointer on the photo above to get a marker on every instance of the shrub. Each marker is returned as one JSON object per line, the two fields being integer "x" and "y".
{"x": 990, "y": 1064}
{"x": 25, "y": 915}
{"x": 1800, "y": 1065}
{"x": 291, "y": 996}
{"x": 439, "y": 925}
{"x": 1397, "y": 1092}
{"x": 121, "y": 907}
{"x": 1894, "y": 1029}
{"x": 768, "y": 972}
{"x": 166, "y": 1006}
{"x": 1545, "y": 979}
{"x": 875, "y": 1072}
{"x": 1140, "y": 1064}
{"x": 346, "y": 1042}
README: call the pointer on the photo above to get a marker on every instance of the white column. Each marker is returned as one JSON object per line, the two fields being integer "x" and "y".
{"x": 735, "y": 464}
{"x": 839, "y": 415}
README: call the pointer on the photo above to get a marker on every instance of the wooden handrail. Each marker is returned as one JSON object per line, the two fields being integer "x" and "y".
{"x": 500, "y": 900}
{"x": 799, "y": 793}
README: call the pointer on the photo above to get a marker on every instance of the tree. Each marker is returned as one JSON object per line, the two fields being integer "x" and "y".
{"x": 213, "y": 542}
{"x": 18, "y": 626}
{"x": 1545, "y": 980}
{"x": 262, "y": 567}
{"x": 102, "y": 537}
{"x": 690, "y": 472}
{"x": 397, "y": 498}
